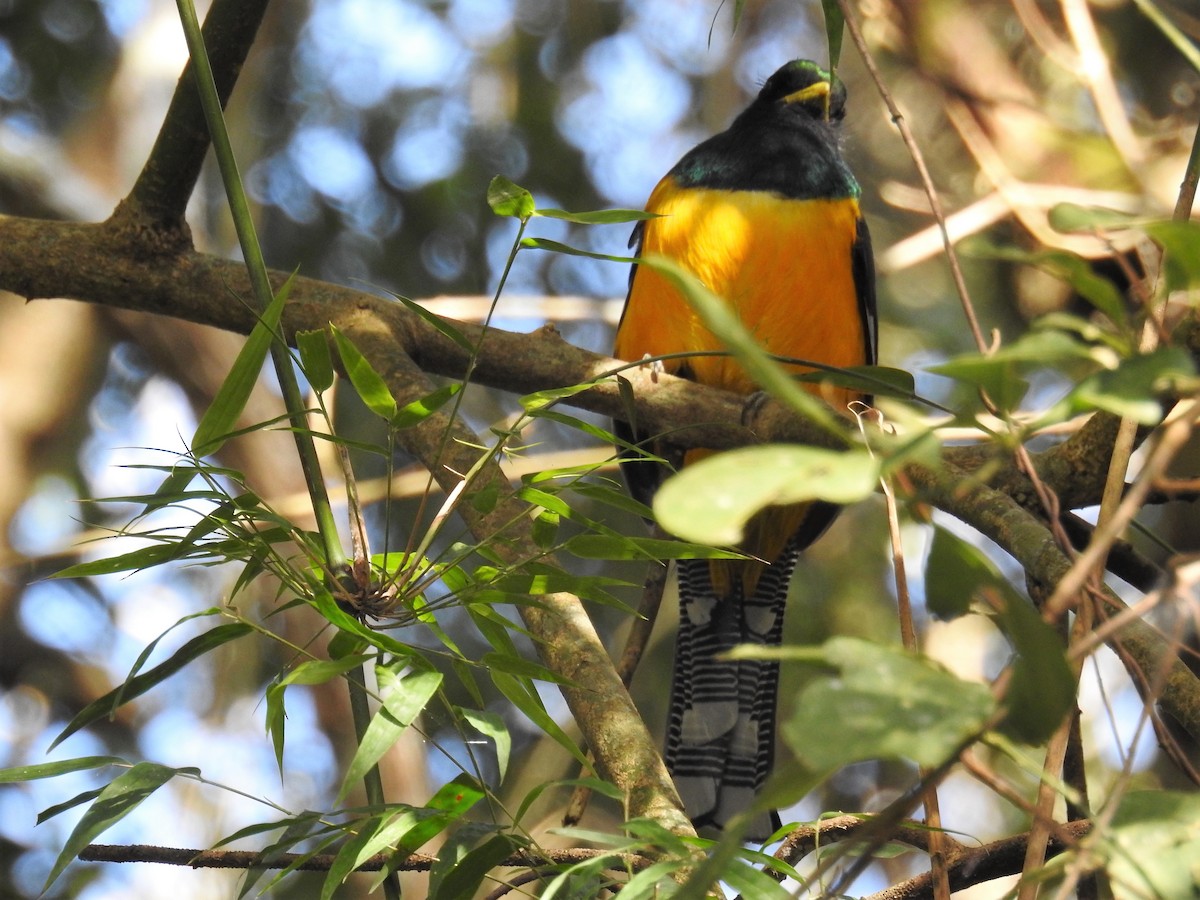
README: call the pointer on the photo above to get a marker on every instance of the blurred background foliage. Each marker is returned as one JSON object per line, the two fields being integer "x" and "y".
{"x": 367, "y": 132}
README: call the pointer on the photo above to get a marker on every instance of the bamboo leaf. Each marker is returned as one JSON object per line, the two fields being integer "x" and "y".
{"x": 135, "y": 687}
{"x": 54, "y": 769}
{"x": 222, "y": 414}
{"x": 403, "y": 699}
{"x": 367, "y": 382}
{"x": 122, "y": 795}
{"x": 315, "y": 359}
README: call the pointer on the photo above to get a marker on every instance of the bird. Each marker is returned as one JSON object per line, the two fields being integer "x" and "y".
{"x": 766, "y": 215}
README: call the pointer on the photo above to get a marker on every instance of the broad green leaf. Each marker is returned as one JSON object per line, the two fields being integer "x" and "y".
{"x": 135, "y": 687}
{"x": 404, "y": 698}
{"x": 149, "y": 649}
{"x": 54, "y": 769}
{"x": 315, "y": 360}
{"x": 1181, "y": 261}
{"x": 955, "y": 572}
{"x": 1042, "y": 688}
{"x": 367, "y": 382}
{"x": 1000, "y": 373}
{"x": 1156, "y": 853}
{"x": 508, "y": 199}
{"x": 598, "y": 216}
{"x": 1071, "y": 268}
{"x": 655, "y": 881}
{"x": 712, "y": 500}
{"x": 882, "y": 703}
{"x": 454, "y": 799}
{"x": 491, "y": 725}
{"x": 122, "y": 795}
{"x": 1132, "y": 390}
{"x": 1068, "y": 217}
{"x": 222, "y": 414}
{"x": 545, "y": 528}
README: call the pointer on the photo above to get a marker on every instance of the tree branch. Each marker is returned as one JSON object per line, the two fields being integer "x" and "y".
{"x": 160, "y": 194}
{"x": 321, "y": 862}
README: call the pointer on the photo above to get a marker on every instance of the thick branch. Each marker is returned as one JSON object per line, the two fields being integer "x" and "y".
{"x": 112, "y": 266}
{"x": 322, "y": 862}
{"x": 160, "y": 195}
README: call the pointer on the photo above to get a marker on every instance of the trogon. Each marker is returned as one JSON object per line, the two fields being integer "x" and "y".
{"x": 765, "y": 214}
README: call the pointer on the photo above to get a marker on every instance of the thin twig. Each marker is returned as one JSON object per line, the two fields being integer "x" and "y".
{"x": 935, "y": 203}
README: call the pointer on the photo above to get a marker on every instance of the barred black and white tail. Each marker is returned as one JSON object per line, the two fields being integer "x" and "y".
{"x": 721, "y": 725}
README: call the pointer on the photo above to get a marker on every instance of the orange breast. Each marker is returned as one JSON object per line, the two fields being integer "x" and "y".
{"x": 785, "y": 267}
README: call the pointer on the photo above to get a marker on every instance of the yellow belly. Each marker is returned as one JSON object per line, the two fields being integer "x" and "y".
{"x": 785, "y": 267}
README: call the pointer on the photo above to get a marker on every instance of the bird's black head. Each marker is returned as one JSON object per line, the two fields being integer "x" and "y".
{"x": 804, "y": 86}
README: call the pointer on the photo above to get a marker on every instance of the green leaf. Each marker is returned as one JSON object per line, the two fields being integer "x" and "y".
{"x": 1132, "y": 390}
{"x": 524, "y": 698}
{"x": 599, "y": 216}
{"x": 367, "y": 382}
{"x": 442, "y": 326}
{"x": 1181, "y": 243}
{"x": 955, "y": 573}
{"x": 222, "y": 414}
{"x": 1069, "y": 217}
{"x": 834, "y": 25}
{"x": 122, "y": 795}
{"x": 1156, "y": 846}
{"x": 615, "y": 546}
{"x": 315, "y": 360}
{"x": 535, "y": 243}
{"x": 882, "y": 381}
{"x": 999, "y": 373}
{"x": 545, "y": 528}
{"x": 550, "y": 396}
{"x": 712, "y": 500}
{"x": 310, "y": 672}
{"x": 135, "y": 687}
{"x": 54, "y": 769}
{"x": 51, "y": 811}
{"x": 418, "y": 410}
{"x": 518, "y": 665}
{"x": 508, "y": 199}
{"x": 468, "y": 873}
{"x": 134, "y": 561}
{"x": 491, "y": 725}
{"x": 882, "y": 703}
{"x": 1070, "y": 267}
{"x": 403, "y": 700}
{"x": 1042, "y": 688}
